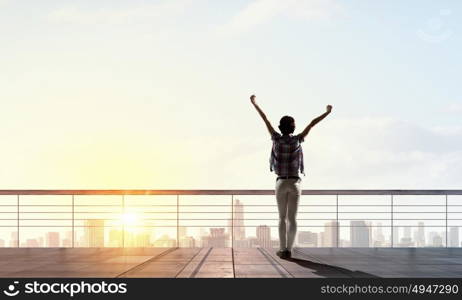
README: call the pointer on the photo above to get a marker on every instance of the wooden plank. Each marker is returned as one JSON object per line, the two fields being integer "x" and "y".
{"x": 252, "y": 263}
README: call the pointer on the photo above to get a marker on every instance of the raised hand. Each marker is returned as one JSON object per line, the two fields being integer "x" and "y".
{"x": 315, "y": 121}
{"x": 262, "y": 115}
{"x": 252, "y": 99}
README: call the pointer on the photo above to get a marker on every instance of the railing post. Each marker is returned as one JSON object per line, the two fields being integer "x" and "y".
{"x": 17, "y": 228}
{"x": 392, "y": 226}
{"x": 178, "y": 220}
{"x": 123, "y": 222}
{"x": 446, "y": 220}
{"x": 338, "y": 225}
{"x": 73, "y": 218}
{"x": 232, "y": 221}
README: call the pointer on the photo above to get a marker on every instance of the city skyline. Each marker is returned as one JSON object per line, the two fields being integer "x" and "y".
{"x": 132, "y": 233}
{"x": 219, "y": 238}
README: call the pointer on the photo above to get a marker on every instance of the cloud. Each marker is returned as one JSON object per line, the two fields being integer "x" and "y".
{"x": 455, "y": 107}
{"x": 76, "y": 15}
{"x": 365, "y": 153}
{"x": 383, "y": 153}
{"x": 259, "y": 12}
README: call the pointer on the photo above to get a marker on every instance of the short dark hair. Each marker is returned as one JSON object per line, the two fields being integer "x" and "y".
{"x": 287, "y": 125}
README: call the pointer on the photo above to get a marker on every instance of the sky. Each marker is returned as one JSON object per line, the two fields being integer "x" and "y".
{"x": 155, "y": 94}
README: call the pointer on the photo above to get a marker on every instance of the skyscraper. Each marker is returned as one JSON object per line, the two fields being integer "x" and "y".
{"x": 308, "y": 239}
{"x": 395, "y": 233}
{"x": 67, "y": 241}
{"x": 264, "y": 236}
{"x": 407, "y": 232}
{"x": 182, "y": 231}
{"x": 435, "y": 240}
{"x": 321, "y": 238}
{"x": 52, "y": 239}
{"x": 94, "y": 233}
{"x": 454, "y": 237}
{"x": 406, "y": 240}
{"x": 115, "y": 238}
{"x": 187, "y": 241}
{"x": 32, "y": 243}
{"x": 14, "y": 239}
{"x": 142, "y": 239}
{"x": 420, "y": 235}
{"x": 330, "y": 236}
{"x": 217, "y": 238}
{"x": 379, "y": 237}
{"x": 359, "y": 234}
{"x": 165, "y": 241}
{"x": 239, "y": 229}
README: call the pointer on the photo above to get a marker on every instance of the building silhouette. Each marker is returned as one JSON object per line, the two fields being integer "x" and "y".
{"x": 94, "y": 233}
{"x": 32, "y": 243}
{"x": 379, "y": 238}
{"x": 330, "y": 235}
{"x": 435, "y": 240}
{"x": 359, "y": 234}
{"x": 185, "y": 240}
{"x": 188, "y": 242}
{"x": 51, "y": 239}
{"x": 14, "y": 239}
{"x": 420, "y": 235}
{"x": 454, "y": 237}
{"x": 217, "y": 238}
{"x": 182, "y": 231}
{"x": 67, "y": 241}
{"x": 308, "y": 239}
{"x": 165, "y": 241}
{"x": 115, "y": 238}
{"x": 407, "y": 232}
{"x": 264, "y": 236}
{"x": 238, "y": 223}
{"x": 395, "y": 233}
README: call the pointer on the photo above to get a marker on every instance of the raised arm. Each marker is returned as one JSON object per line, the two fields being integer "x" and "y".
{"x": 262, "y": 114}
{"x": 315, "y": 121}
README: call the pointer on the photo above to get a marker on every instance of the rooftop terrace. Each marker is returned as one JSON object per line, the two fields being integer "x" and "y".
{"x": 347, "y": 221}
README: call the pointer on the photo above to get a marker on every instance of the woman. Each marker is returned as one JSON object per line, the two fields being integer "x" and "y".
{"x": 287, "y": 161}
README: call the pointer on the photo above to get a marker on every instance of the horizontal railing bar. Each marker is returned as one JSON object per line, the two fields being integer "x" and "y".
{"x": 224, "y": 212}
{"x": 228, "y": 212}
{"x": 228, "y": 205}
{"x": 247, "y": 212}
{"x": 227, "y": 192}
{"x": 246, "y": 219}
{"x": 189, "y": 219}
{"x": 224, "y": 226}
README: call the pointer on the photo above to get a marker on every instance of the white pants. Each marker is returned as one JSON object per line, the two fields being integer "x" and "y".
{"x": 288, "y": 193}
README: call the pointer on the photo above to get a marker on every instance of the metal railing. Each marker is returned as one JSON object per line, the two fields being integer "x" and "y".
{"x": 335, "y": 214}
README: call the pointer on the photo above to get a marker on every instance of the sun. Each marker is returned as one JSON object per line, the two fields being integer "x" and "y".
{"x": 129, "y": 219}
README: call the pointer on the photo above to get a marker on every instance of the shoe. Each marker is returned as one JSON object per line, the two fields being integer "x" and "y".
{"x": 282, "y": 254}
{"x": 288, "y": 254}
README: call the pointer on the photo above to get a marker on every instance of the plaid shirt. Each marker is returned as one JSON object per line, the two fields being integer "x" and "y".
{"x": 286, "y": 155}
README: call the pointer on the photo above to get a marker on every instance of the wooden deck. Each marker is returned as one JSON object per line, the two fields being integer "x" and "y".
{"x": 230, "y": 263}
